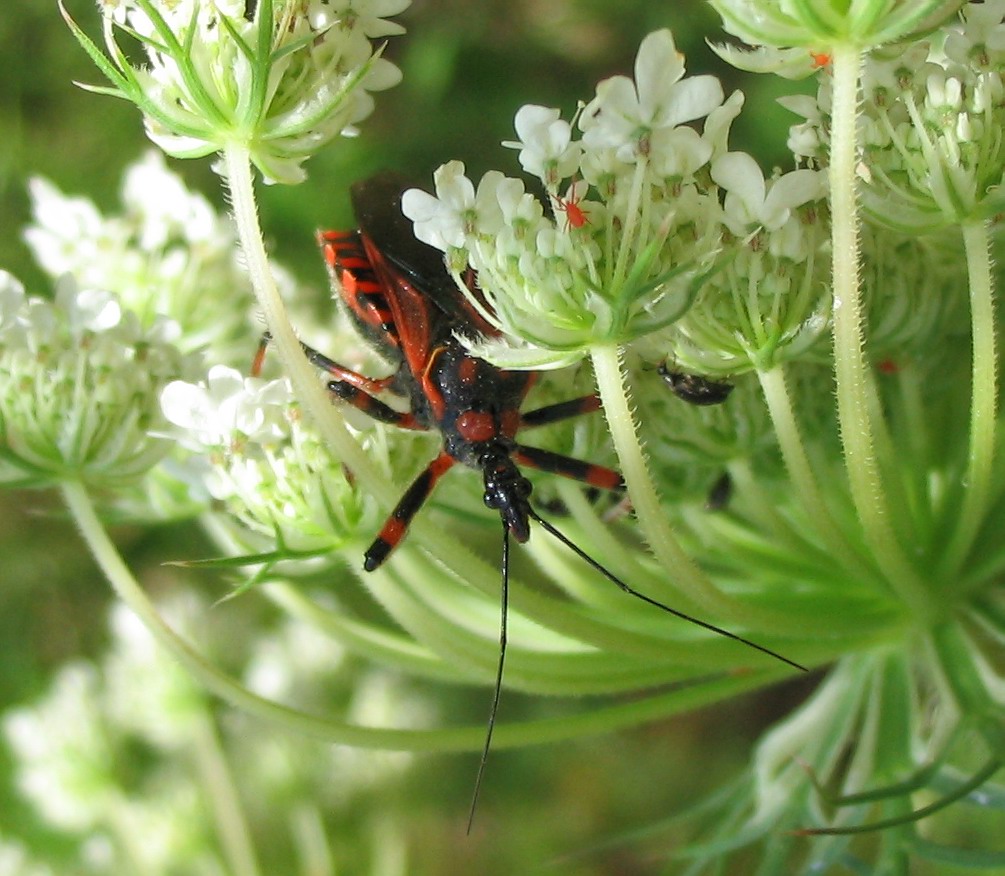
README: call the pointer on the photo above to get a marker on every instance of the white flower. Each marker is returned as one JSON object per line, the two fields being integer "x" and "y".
{"x": 546, "y": 147}
{"x": 752, "y": 203}
{"x": 459, "y": 212}
{"x": 226, "y": 408}
{"x": 168, "y": 253}
{"x": 981, "y": 39}
{"x": 213, "y": 81}
{"x": 628, "y": 116}
{"x": 369, "y": 17}
{"x": 79, "y": 381}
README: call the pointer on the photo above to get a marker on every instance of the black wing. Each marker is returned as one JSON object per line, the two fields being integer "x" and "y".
{"x": 376, "y": 202}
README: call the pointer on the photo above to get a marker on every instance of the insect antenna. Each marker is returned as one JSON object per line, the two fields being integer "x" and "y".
{"x": 607, "y": 573}
{"x": 499, "y": 677}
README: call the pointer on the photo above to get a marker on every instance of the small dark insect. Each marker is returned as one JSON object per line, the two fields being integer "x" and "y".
{"x": 404, "y": 302}
{"x": 695, "y": 389}
{"x": 720, "y": 493}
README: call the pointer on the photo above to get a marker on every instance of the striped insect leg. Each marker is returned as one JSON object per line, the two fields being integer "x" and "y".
{"x": 372, "y": 385}
{"x": 394, "y": 528}
{"x": 373, "y": 407}
{"x": 566, "y": 466}
{"x": 561, "y": 411}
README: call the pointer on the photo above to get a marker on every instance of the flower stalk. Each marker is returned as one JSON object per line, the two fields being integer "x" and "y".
{"x": 855, "y": 389}
{"x": 984, "y": 401}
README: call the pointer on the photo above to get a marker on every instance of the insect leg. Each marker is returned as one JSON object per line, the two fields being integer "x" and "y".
{"x": 373, "y": 407}
{"x": 371, "y": 385}
{"x": 394, "y": 528}
{"x": 566, "y": 466}
{"x": 350, "y": 386}
{"x": 561, "y": 411}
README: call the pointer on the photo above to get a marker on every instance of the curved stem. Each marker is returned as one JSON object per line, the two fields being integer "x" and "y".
{"x": 853, "y": 377}
{"x": 984, "y": 392}
{"x": 683, "y": 575}
{"x": 306, "y": 386}
{"x": 797, "y": 463}
{"x": 658, "y": 707}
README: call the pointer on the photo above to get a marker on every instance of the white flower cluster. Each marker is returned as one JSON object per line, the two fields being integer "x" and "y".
{"x": 279, "y": 483}
{"x": 122, "y": 758}
{"x": 167, "y": 253}
{"x": 79, "y": 385}
{"x": 281, "y": 82}
{"x": 651, "y": 209}
{"x": 930, "y": 124}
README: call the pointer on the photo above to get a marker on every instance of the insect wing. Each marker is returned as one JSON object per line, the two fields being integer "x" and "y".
{"x": 361, "y": 290}
{"x": 423, "y": 326}
{"x": 377, "y": 205}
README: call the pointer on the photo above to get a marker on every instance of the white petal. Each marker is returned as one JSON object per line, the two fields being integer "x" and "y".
{"x": 740, "y": 175}
{"x": 692, "y": 98}
{"x": 658, "y": 67}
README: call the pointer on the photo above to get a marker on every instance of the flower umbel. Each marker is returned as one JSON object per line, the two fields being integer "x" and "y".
{"x": 645, "y": 236}
{"x": 279, "y": 83}
{"x": 167, "y": 253}
{"x": 79, "y": 387}
{"x": 282, "y": 490}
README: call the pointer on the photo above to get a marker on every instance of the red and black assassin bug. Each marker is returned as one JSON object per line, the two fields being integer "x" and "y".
{"x": 403, "y": 301}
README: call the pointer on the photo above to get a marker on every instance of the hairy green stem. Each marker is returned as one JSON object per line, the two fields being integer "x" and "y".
{"x": 684, "y": 577}
{"x": 302, "y": 374}
{"x": 852, "y": 374}
{"x": 797, "y": 463}
{"x": 984, "y": 392}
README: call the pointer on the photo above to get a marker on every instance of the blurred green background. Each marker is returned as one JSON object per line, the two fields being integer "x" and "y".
{"x": 468, "y": 65}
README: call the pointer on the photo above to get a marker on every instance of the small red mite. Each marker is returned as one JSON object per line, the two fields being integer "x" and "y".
{"x": 820, "y": 60}
{"x": 404, "y": 302}
{"x": 575, "y": 216}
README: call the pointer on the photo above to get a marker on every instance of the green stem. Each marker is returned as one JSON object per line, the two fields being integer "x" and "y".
{"x": 235, "y": 836}
{"x": 600, "y": 720}
{"x": 984, "y": 392}
{"x": 853, "y": 377}
{"x": 684, "y": 578}
{"x": 687, "y": 579}
{"x": 797, "y": 463}
{"x": 959, "y": 661}
{"x": 303, "y": 376}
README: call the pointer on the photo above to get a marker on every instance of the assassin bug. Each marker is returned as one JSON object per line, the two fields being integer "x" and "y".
{"x": 400, "y": 296}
